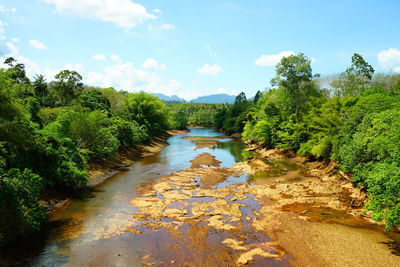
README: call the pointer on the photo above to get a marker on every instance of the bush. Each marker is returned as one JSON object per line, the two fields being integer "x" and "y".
{"x": 51, "y": 156}
{"x": 61, "y": 160}
{"x": 94, "y": 100}
{"x": 148, "y": 110}
{"x": 48, "y": 115}
{"x": 129, "y": 133}
{"x": 19, "y": 207}
{"x": 91, "y": 132}
{"x": 373, "y": 156}
{"x": 179, "y": 120}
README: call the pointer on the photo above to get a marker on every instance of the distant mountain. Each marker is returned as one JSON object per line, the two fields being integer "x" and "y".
{"x": 215, "y": 99}
{"x": 169, "y": 98}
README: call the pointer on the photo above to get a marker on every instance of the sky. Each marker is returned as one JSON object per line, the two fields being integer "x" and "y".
{"x": 195, "y": 48}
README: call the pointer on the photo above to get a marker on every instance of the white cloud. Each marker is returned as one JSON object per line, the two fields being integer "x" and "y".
{"x": 167, "y": 27}
{"x": 121, "y": 75}
{"x": 14, "y": 40}
{"x": 125, "y": 76}
{"x": 210, "y": 69}
{"x": 153, "y": 64}
{"x": 116, "y": 58}
{"x": 99, "y": 57}
{"x": 32, "y": 68}
{"x": 390, "y": 59}
{"x": 37, "y": 44}
{"x": 273, "y": 59}
{"x": 123, "y": 13}
{"x": 13, "y": 50}
{"x": 4, "y": 9}
{"x": 157, "y": 11}
{"x": 76, "y": 67}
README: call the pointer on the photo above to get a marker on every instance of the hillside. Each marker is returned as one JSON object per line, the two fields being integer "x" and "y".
{"x": 215, "y": 99}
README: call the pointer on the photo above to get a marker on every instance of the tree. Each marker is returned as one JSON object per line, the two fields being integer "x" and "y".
{"x": 354, "y": 80}
{"x": 294, "y": 78}
{"x": 19, "y": 203}
{"x": 257, "y": 96}
{"x": 40, "y": 86}
{"x": 94, "y": 99}
{"x": 148, "y": 110}
{"x": 16, "y": 70}
{"x": 68, "y": 85}
{"x": 239, "y": 105}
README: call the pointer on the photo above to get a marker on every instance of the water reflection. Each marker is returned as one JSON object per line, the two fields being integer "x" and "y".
{"x": 92, "y": 230}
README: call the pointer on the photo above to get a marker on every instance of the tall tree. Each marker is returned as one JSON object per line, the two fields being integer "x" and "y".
{"x": 356, "y": 78}
{"x": 16, "y": 70}
{"x": 257, "y": 96}
{"x": 68, "y": 85}
{"x": 40, "y": 86}
{"x": 294, "y": 78}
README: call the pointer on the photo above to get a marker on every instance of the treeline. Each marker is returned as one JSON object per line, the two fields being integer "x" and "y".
{"x": 353, "y": 120}
{"x": 229, "y": 118}
{"x": 50, "y": 131}
{"x": 197, "y": 114}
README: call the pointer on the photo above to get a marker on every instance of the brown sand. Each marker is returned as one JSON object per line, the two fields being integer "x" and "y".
{"x": 205, "y": 159}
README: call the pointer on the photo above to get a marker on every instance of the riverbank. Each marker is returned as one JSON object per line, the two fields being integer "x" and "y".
{"x": 304, "y": 213}
{"x": 218, "y": 206}
{"x": 98, "y": 172}
{"x": 320, "y": 220}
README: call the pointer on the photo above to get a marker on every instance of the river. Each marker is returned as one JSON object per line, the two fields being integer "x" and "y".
{"x": 92, "y": 230}
{"x": 195, "y": 204}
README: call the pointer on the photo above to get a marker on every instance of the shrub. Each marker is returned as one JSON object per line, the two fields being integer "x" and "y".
{"x": 19, "y": 207}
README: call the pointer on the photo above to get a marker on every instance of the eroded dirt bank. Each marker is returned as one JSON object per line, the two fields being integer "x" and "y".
{"x": 100, "y": 171}
{"x": 270, "y": 210}
{"x": 316, "y": 214}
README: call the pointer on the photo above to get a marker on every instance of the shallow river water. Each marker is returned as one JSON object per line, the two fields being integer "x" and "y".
{"x": 100, "y": 229}
{"x": 206, "y": 201}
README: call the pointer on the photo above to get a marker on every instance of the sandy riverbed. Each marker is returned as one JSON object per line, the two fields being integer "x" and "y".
{"x": 313, "y": 215}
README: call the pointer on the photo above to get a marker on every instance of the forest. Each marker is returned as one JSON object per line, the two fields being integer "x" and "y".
{"x": 51, "y": 131}
{"x": 352, "y": 118}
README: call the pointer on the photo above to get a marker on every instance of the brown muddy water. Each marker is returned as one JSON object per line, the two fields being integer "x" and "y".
{"x": 192, "y": 204}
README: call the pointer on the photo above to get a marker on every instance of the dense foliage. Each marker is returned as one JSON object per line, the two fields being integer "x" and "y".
{"x": 354, "y": 122}
{"x": 50, "y": 132}
{"x": 197, "y": 114}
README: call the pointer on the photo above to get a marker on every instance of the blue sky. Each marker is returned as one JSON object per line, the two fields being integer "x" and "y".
{"x": 193, "y": 48}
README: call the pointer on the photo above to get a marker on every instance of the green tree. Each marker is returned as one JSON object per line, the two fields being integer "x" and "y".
{"x": 356, "y": 78}
{"x": 94, "y": 99}
{"x": 148, "y": 110}
{"x": 91, "y": 131}
{"x": 294, "y": 78}
{"x": 40, "y": 86}
{"x": 373, "y": 156}
{"x": 257, "y": 96}
{"x": 68, "y": 85}
{"x": 19, "y": 204}
{"x": 16, "y": 70}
